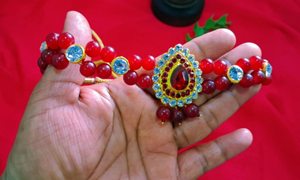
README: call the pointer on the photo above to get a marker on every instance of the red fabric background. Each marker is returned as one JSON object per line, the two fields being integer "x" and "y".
{"x": 130, "y": 27}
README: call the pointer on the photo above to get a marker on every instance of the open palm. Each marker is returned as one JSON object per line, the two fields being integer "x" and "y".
{"x": 110, "y": 130}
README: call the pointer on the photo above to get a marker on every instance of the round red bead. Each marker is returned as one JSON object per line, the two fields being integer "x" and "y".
{"x": 47, "y": 55}
{"x": 59, "y": 61}
{"x": 108, "y": 54}
{"x": 244, "y": 63}
{"x": 246, "y": 81}
{"x": 135, "y": 62}
{"x": 42, "y": 64}
{"x": 220, "y": 67}
{"x": 104, "y": 71}
{"x": 206, "y": 65}
{"x": 267, "y": 80}
{"x": 163, "y": 113}
{"x": 42, "y": 71}
{"x": 144, "y": 81}
{"x": 208, "y": 87}
{"x": 177, "y": 116}
{"x": 87, "y": 68}
{"x": 52, "y": 41}
{"x": 93, "y": 49}
{"x": 256, "y": 62}
{"x": 65, "y": 40}
{"x": 222, "y": 83}
{"x": 148, "y": 63}
{"x": 258, "y": 76}
{"x": 131, "y": 77}
{"x": 191, "y": 110}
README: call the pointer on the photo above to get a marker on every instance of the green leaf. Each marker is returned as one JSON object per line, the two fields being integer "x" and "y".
{"x": 196, "y": 26}
{"x": 199, "y": 32}
{"x": 209, "y": 24}
{"x": 222, "y": 20}
{"x": 187, "y": 37}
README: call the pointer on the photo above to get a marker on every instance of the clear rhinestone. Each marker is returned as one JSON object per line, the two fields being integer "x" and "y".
{"x": 172, "y": 51}
{"x": 155, "y": 78}
{"x": 43, "y": 46}
{"x": 161, "y": 63}
{"x": 156, "y": 70}
{"x": 199, "y": 80}
{"x": 74, "y": 53}
{"x": 195, "y": 64}
{"x": 198, "y": 88}
{"x": 194, "y": 95}
{"x": 198, "y": 72}
{"x": 165, "y": 57}
{"x": 120, "y": 66}
{"x": 156, "y": 87}
{"x": 191, "y": 58}
{"x": 180, "y": 103}
{"x": 172, "y": 103}
{"x": 178, "y": 48}
{"x": 159, "y": 94}
{"x": 235, "y": 73}
{"x": 165, "y": 100}
{"x": 188, "y": 100}
{"x": 268, "y": 70}
{"x": 186, "y": 52}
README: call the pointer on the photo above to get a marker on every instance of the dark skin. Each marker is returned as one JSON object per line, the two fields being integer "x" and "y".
{"x": 110, "y": 130}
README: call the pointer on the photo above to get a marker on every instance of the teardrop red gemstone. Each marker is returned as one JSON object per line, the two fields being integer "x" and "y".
{"x": 179, "y": 78}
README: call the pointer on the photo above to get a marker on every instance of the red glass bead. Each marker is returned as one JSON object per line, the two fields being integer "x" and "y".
{"x": 182, "y": 61}
{"x": 177, "y": 116}
{"x": 189, "y": 70}
{"x": 178, "y": 56}
{"x": 178, "y": 96}
{"x": 165, "y": 74}
{"x": 65, "y": 40}
{"x": 167, "y": 69}
{"x": 174, "y": 60}
{"x": 163, "y": 113}
{"x": 59, "y": 61}
{"x": 267, "y": 80}
{"x": 222, "y": 83}
{"x": 183, "y": 94}
{"x": 168, "y": 91}
{"x": 130, "y": 78}
{"x": 165, "y": 86}
{"x": 192, "y": 75}
{"x": 52, "y": 41}
{"x": 135, "y": 62}
{"x": 104, "y": 71}
{"x": 258, "y": 76}
{"x": 47, "y": 55}
{"x": 179, "y": 78}
{"x": 191, "y": 110}
{"x": 164, "y": 80}
{"x": 93, "y": 49}
{"x": 256, "y": 62}
{"x": 206, "y": 65}
{"x": 148, "y": 63}
{"x": 171, "y": 64}
{"x": 244, "y": 63}
{"x": 192, "y": 80}
{"x": 191, "y": 86}
{"x": 208, "y": 87}
{"x": 187, "y": 92}
{"x": 144, "y": 81}
{"x": 172, "y": 94}
{"x": 87, "y": 68}
{"x": 42, "y": 64}
{"x": 220, "y": 67}
{"x": 247, "y": 81}
{"x": 108, "y": 54}
{"x": 186, "y": 65}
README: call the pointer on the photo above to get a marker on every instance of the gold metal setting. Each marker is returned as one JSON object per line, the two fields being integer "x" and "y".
{"x": 266, "y": 65}
{"x": 114, "y": 60}
{"x": 230, "y": 78}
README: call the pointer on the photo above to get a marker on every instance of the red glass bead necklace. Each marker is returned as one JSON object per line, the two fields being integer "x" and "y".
{"x": 177, "y": 76}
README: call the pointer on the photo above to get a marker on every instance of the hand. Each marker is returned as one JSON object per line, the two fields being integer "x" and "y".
{"x": 110, "y": 130}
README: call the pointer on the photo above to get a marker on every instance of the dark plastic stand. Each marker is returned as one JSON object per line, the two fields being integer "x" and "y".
{"x": 177, "y": 12}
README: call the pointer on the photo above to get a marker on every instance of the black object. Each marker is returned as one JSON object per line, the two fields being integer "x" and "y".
{"x": 177, "y": 12}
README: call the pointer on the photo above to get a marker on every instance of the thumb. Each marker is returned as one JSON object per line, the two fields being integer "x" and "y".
{"x": 69, "y": 78}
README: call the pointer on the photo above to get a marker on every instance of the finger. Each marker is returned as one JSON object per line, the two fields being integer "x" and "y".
{"x": 196, "y": 161}
{"x": 67, "y": 82}
{"x": 211, "y": 45}
{"x": 245, "y": 50}
{"x": 219, "y": 108}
